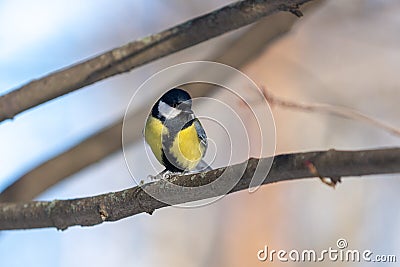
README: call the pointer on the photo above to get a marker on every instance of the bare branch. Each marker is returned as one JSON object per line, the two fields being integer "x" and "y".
{"x": 108, "y": 141}
{"x": 340, "y": 111}
{"x": 117, "y": 205}
{"x": 137, "y": 53}
{"x": 87, "y": 152}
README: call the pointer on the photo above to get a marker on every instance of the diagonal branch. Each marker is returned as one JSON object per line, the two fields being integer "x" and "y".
{"x": 340, "y": 111}
{"x": 98, "y": 146}
{"x": 137, "y": 53}
{"x": 117, "y": 205}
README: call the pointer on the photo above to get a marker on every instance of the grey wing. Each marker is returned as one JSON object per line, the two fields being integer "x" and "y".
{"x": 201, "y": 133}
{"x": 202, "y": 165}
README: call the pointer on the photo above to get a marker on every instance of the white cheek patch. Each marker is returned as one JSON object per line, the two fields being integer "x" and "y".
{"x": 167, "y": 111}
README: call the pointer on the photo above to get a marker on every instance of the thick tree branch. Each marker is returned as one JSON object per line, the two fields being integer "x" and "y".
{"x": 137, "y": 53}
{"x": 117, "y": 205}
{"x": 98, "y": 146}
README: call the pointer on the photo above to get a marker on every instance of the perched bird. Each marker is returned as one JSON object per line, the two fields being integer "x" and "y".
{"x": 175, "y": 135}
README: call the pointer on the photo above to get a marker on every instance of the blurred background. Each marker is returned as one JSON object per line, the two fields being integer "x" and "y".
{"x": 344, "y": 53}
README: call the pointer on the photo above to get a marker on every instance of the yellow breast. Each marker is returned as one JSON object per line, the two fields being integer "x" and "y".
{"x": 153, "y": 136}
{"x": 187, "y": 149}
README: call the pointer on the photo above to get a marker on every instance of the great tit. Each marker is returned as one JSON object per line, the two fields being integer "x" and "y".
{"x": 175, "y": 135}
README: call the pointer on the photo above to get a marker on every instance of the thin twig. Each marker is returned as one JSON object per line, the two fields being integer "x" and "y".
{"x": 137, "y": 53}
{"x": 117, "y": 205}
{"x": 340, "y": 111}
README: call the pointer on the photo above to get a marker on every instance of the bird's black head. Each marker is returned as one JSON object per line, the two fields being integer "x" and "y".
{"x": 177, "y": 97}
{"x": 174, "y": 100}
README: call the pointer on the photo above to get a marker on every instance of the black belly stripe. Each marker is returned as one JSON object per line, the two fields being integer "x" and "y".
{"x": 170, "y": 166}
{"x": 174, "y": 126}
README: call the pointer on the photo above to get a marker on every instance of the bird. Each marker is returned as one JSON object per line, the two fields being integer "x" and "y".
{"x": 175, "y": 135}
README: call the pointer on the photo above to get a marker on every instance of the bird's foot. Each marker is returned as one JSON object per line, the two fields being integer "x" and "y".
{"x": 165, "y": 174}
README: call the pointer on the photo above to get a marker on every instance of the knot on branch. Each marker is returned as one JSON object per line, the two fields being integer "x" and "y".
{"x": 103, "y": 212}
{"x": 329, "y": 181}
{"x": 293, "y": 8}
